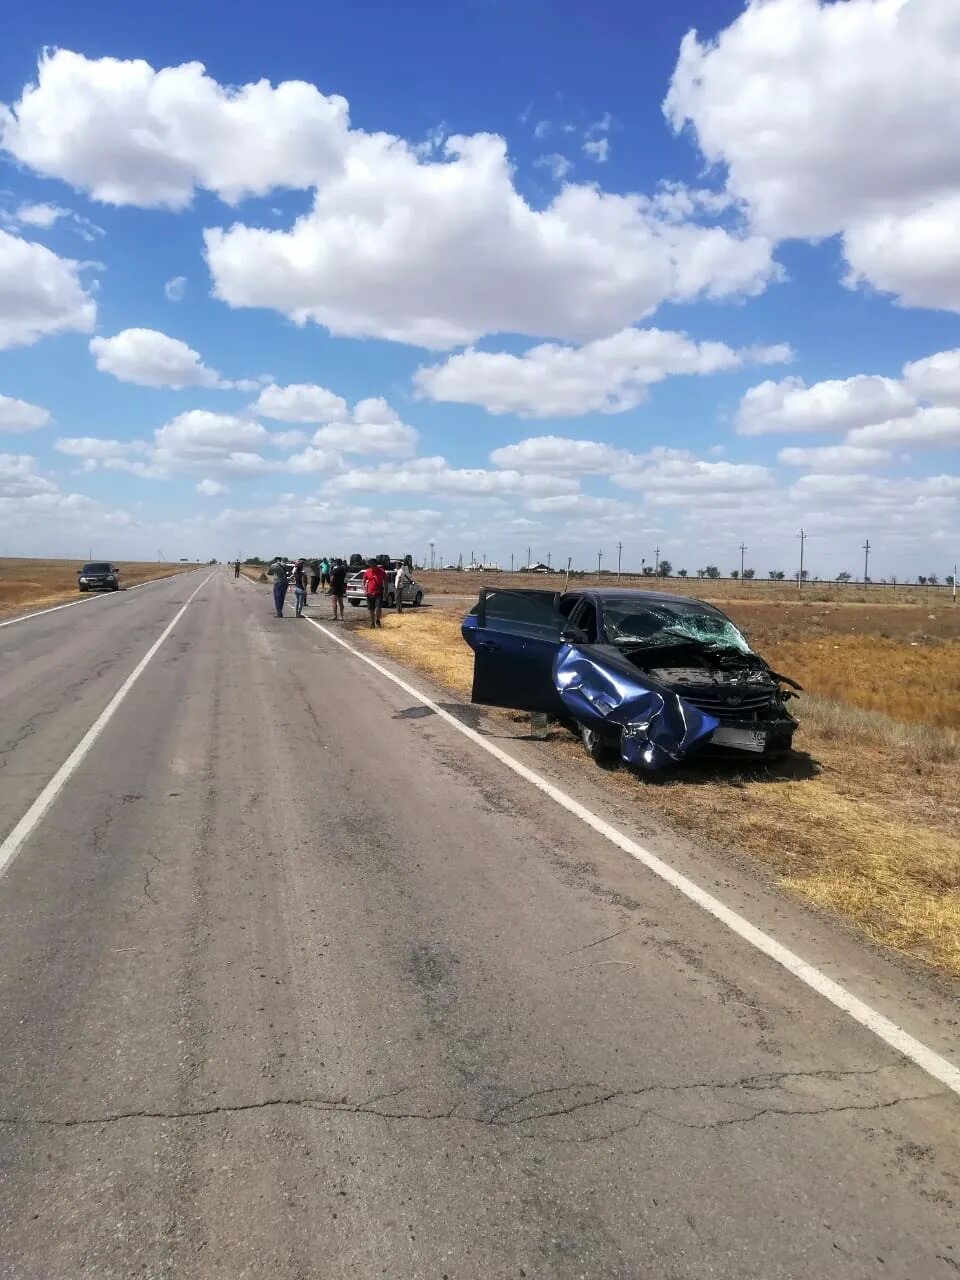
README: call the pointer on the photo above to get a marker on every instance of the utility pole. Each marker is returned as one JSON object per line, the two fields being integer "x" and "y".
{"x": 599, "y": 558}
{"x": 866, "y": 561}
{"x": 511, "y": 562}
{"x": 656, "y": 563}
{"x": 803, "y": 538}
{"x": 743, "y": 548}
{"x": 431, "y": 554}
{"x": 549, "y": 554}
{"x": 528, "y": 557}
{"x": 619, "y": 557}
{"x": 570, "y": 562}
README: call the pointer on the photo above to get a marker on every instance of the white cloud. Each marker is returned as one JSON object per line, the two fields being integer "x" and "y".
{"x": 439, "y": 253}
{"x": 128, "y": 134}
{"x": 424, "y": 248}
{"x": 936, "y": 378}
{"x": 787, "y": 98}
{"x": 152, "y": 359}
{"x": 583, "y": 505}
{"x": 299, "y": 402}
{"x": 675, "y": 477}
{"x": 435, "y": 475}
{"x": 934, "y": 426}
{"x": 175, "y": 289}
{"x": 20, "y": 415}
{"x": 98, "y": 448}
{"x": 324, "y": 461}
{"x": 558, "y": 165}
{"x": 18, "y": 477}
{"x": 610, "y": 375}
{"x": 211, "y": 488}
{"x": 835, "y": 457}
{"x": 558, "y": 455}
{"x": 834, "y": 405}
{"x": 597, "y": 149}
{"x": 40, "y": 294}
{"x": 372, "y": 427}
{"x": 40, "y": 215}
{"x": 198, "y": 433}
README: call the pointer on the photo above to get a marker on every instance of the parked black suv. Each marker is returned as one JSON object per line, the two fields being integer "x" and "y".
{"x": 98, "y": 577}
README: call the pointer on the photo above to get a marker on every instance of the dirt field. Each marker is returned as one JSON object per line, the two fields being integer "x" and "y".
{"x": 452, "y": 582}
{"x": 865, "y": 819}
{"x": 36, "y": 584}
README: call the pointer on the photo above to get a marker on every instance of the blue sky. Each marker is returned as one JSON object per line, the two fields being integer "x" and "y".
{"x": 491, "y": 275}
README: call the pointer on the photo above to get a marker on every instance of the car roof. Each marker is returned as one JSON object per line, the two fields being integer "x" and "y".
{"x": 634, "y": 593}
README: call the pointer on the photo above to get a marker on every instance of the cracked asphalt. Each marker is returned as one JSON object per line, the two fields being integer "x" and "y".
{"x": 296, "y": 982}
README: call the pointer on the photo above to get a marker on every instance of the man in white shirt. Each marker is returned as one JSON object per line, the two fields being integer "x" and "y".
{"x": 401, "y": 579}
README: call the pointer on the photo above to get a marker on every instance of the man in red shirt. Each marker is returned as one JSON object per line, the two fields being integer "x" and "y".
{"x": 374, "y": 585}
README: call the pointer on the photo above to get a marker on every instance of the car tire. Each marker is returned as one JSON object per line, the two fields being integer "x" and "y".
{"x": 81, "y": 589}
{"x": 600, "y": 749}
{"x": 355, "y": 604}
{"x": 418, "y": 600}
{"x": 390, "y": 602}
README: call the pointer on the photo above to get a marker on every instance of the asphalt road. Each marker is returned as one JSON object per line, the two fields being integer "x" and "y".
{"x": 297, "y": 982}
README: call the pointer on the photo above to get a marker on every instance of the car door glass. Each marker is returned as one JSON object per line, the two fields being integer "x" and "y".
{"x": 586, "y": 619}
{"x": 521, "y": 612}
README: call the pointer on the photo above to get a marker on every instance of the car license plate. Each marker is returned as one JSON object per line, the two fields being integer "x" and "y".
{"x": 742, "y": 739}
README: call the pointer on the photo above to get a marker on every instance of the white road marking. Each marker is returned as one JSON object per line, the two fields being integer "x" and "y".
{"x": 104, "y": 595}
{"x": 886, "y": 1030}
{"x": 22, "y": 831}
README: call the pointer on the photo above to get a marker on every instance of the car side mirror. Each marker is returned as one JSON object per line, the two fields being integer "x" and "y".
{"x": 573, "y": 635}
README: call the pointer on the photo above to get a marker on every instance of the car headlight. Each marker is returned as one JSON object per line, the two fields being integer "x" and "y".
{"x": 83, "y": 579}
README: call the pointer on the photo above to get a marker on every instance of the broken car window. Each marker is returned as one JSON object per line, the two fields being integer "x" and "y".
{"x": 628, "y": 622}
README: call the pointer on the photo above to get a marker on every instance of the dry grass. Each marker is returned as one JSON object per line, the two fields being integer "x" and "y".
{"x": 35, "y": 584}
{"x": 864, "y": 821}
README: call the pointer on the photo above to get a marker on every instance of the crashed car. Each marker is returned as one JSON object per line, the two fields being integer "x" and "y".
{"x": 651, "y": 677}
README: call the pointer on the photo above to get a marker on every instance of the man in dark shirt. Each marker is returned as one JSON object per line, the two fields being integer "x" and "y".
{"x": 299, "y": 587}
{"x": 236, "y": 569}
{"x": 338, "y": 588}
{"x": 278, "y": 572}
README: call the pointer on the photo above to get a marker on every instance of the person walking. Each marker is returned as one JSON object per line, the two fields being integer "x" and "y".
{"x": 299, "y": 588}
{"x": 278, "y": 572}
{"x": 401, "y": 580}
{"x": 236, "y": 569}
{"x": 314, "y": 576}
{"x": 374, "y": 585}
{"x": 338, "y": 588}
{"x": 324, "y": 572}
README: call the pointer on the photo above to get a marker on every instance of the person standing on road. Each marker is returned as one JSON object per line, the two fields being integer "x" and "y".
{"x": 299, "y": 587}
{"x": 314, "y": 576}
{"x": 401, "y": 580}
{"x": 338, "y": 588}
{"x": 278, "y": 572}
{"x": 236, "y": 569}
{"x": 374, "y": 585}
{"x": 324, "y": 572}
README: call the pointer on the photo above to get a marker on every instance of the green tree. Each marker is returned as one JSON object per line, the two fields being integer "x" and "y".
{"x": 712, "y": 571}
{"x": 735, "y": 574}
{"x": 749, "y": 573}
{"x": 681, "y": 573}
{"x": 666, "y": 568}
{"x": 844, "y": 577}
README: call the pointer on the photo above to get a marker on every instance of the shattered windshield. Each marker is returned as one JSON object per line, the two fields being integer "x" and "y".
{"x": 630, "y": 622}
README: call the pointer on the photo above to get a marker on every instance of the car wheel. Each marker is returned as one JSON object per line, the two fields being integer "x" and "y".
{"x": 355, "y": 604}
{"x": 81, "y": 588}
{"x": 418, "y": 600}
{"x": 598, "y": 748}
{"x": 390, "y": 602}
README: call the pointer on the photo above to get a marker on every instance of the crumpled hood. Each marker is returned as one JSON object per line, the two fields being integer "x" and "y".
{"x": 600, "y": 688}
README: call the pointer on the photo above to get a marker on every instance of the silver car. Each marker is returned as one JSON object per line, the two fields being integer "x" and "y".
{"x": 412, "y": 592}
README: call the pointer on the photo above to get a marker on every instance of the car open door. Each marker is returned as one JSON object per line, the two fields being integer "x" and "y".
{"x": 518, "y": 635}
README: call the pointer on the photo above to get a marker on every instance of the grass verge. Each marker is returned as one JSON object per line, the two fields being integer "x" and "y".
{"x": 26, "y": 585}
{"x": 863, "y": 821}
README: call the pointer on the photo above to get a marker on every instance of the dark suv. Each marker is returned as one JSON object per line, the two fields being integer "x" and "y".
{"x": 98, "y": 577}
